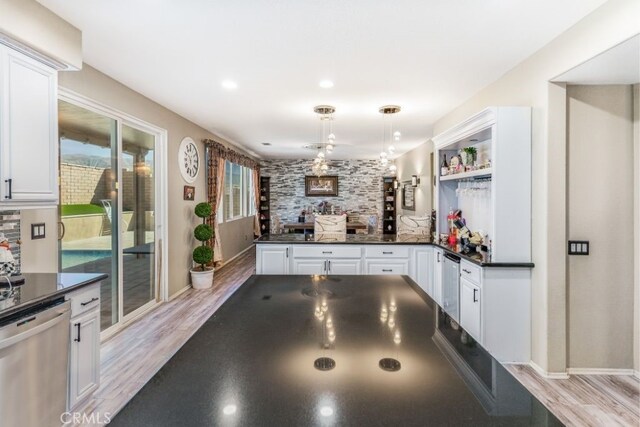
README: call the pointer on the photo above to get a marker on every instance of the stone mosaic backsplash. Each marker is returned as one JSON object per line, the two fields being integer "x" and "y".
{"x": 10, "y": 226}
{"x": 359, "y": 187}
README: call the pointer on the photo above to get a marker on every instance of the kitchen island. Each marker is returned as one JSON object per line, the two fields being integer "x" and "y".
{"x": 489, "y": 298}
{"x": 312, "y": 350}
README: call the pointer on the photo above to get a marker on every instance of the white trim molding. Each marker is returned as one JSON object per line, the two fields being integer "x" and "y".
{"x": 178, "y": 293}
{"x": 599, "y": 371}
{"x": 550, "y": 375}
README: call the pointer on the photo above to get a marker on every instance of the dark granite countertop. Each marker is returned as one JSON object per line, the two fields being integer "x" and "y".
{"x": 252, "y": 363}
{"x": 40, "y": 287}
{"x": 479, "y": 258}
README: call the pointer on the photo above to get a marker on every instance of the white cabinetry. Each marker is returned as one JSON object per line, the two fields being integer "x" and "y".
{"x": 327, "y": 259}
{"x": 470, "y": 308}
{"x": 422, "y": 268}
{"x": 438, "y": 262}
{"x": 84, "y": 358}
{"x": 28, "y": 132}
{"x": 273, "y": 259}
{"x": 501, "y": 136}
{"x": 385, "y": 266}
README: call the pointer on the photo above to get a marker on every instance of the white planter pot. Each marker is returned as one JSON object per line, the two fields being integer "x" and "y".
{"x": 202, "y": 279}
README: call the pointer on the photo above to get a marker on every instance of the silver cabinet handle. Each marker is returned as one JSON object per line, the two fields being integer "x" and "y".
{"x": 387, "y": 253}
{"x": 9, "y": 182}
{"x": 387, "y": 270}
{"x": 287, "y": 252}
{"x": 474, "y": 295}
{"x": 324, "y": 266}
{"x": 90, "y": 301}
{"x": 329, "y": 269}
{"x": 438, "y": 256}
{"x": 327, "y": 252}
{"x": 466, "y": 271}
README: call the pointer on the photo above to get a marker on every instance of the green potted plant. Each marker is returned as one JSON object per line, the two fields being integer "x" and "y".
{"x": 469, "y": 155}
{"x": 202, "y": 273}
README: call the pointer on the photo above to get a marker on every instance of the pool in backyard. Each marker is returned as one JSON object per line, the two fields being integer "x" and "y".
{"x": 74, "y": 257}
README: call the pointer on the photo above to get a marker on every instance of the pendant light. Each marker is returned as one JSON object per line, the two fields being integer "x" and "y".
{"x": 327, "y": 142}
{"x": 386, "y": 156}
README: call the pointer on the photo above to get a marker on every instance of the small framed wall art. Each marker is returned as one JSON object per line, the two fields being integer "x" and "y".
{"x": 315, "y": 186}
{"x": 189, "y": 192}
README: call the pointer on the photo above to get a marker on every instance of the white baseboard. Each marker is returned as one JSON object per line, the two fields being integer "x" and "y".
{"x": 636, "y": 374}
{"x": 599, "y": 371}
{"x": 235, "y": 256}
{"x": 550, "y": 375}
{"x": 180, "y": 292}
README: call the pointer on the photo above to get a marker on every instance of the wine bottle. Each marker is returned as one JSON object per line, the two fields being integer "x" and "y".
{"x": 444, "y": 167}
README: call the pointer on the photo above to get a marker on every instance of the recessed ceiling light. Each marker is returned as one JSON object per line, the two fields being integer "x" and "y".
{"x": 229, "y": 409}
{"x": 326, "y": 411}
{"x": 325, "y": 84}
{"x": 229, "y": 84}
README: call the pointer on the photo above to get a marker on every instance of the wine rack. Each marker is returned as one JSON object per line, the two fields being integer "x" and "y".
{"x": 264, "y": 208}
{"x": 389, "y": 205}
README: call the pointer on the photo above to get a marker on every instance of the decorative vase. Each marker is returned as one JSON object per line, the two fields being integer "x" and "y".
{"x": 202, "y": 279}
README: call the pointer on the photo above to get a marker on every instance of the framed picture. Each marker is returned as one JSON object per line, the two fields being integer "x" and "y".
{"x": 408, "y": 196}
{"x": 189, "y": 192}
{"x": 320, "y": 186}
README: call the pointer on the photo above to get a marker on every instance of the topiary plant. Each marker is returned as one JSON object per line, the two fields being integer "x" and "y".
{"x": 203, "y": 254}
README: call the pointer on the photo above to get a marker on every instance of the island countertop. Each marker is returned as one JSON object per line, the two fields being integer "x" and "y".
{"x": 480, "y": 258}
{"x": 40, "y": 287}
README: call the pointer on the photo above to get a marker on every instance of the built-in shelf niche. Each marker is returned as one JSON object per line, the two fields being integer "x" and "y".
{"x": 503, "y": 136}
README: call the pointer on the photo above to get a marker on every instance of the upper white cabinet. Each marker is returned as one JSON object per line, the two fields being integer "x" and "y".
{"x": 28, "y": 132}
{"x": 495, "y": 198}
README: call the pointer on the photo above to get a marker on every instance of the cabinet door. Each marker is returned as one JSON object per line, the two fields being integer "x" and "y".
{"x": 84, "y": 358}
{"x": 309, "y": 266}
{"x": 422, "y": 269}
{"x": 29, "y": 123}
{"x": 438, "y": 260}
{"x": 345, "y": 266}
{"x": 387, "y": 267}
{"x": 470, "y": 308}
{"x": 273, "y": 259}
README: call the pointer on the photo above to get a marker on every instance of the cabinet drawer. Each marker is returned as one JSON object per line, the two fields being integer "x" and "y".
{"x": 85, "y": 299}
{"x": 470, "y": 271}
{"x": 389, "y": 251}
{"x": 327, "y": 251}
{"x": 387, "y": 267}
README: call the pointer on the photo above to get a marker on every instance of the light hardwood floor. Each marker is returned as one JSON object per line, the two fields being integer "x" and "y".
{"x": 133, "y": 356}
{"x": 586, "y": 400}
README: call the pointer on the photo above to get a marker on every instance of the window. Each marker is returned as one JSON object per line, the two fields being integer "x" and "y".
{"x": 238, "y": 200}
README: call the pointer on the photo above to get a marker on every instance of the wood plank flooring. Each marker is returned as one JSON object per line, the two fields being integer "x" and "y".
{"x": 132, "y": 357}
{"x": 586, "y": 400}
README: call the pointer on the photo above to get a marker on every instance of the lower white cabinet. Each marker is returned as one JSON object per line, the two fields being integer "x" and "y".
{"x": 470, "y": 308}
{"x": 345, "y": 266}
{"x": 84, "y": 356}
{"x": 422, "y": 268}
{"x": 438, "y": 263}
{"x": 274, "y": 259}
{"x": 398, "y": 266}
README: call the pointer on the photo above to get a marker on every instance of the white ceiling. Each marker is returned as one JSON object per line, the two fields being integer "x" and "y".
{"x": 618, "y": 65}
{"x": 426, "y": 55}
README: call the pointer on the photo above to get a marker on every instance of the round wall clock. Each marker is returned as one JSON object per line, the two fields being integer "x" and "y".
{"x": 189, "y": 160}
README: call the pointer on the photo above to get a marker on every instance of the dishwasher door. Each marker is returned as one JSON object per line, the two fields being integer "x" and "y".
{"x": 34, "y": 363}
{"x": 451, "y": 286}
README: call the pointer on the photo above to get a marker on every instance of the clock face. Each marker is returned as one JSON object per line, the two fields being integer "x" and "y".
{"x": 189, "y": 160}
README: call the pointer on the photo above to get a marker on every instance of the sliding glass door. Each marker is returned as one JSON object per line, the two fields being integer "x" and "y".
{"x": 108, "y": 207}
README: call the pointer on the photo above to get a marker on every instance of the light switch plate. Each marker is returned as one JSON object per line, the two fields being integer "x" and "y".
{"x": 38, "y": 231}
{"x": 578, "y": 247}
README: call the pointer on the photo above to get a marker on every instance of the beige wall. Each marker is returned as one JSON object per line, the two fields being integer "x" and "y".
{"x": 600, "y": 205}
{"x": 636, "y": 179}
{"x": 528, "y": 84}
{"x": 30, "y": 23}
{"x": 417, "y": 162}
{"x": 99, "y": 87}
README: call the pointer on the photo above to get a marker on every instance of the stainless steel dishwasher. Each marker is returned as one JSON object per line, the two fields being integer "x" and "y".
{"x": 451, "y": 285}
{"x": 34, "y": 363}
